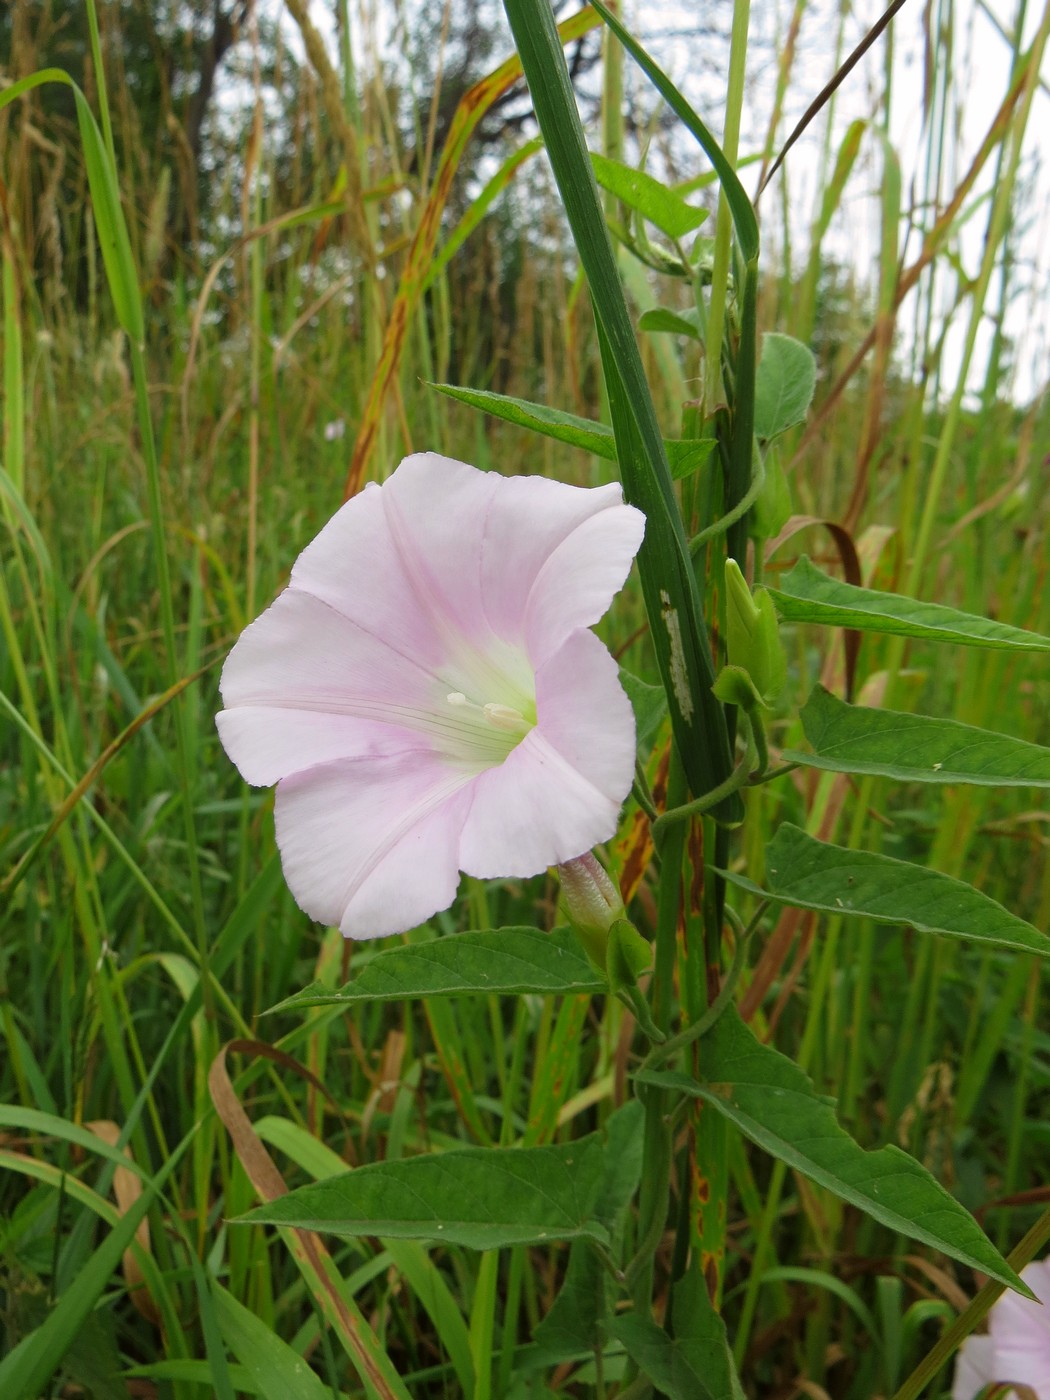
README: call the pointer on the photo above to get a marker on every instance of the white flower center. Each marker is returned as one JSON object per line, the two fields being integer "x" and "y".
{"x": 504, "y": 717}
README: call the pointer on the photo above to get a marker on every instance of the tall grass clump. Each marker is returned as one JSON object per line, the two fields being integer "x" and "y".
{"x": 248, "y": 265}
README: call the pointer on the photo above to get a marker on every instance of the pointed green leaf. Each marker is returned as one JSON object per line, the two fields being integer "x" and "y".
{"x": 773, "y": 1103}
{"x": 653, "y": 200}
{"x": 914, "y": 748}
{"x": 503, "y": 961}
{"x": 693, "y": 1364}
{"x": 649, "y": 704}
{"x": 809, "y": 874}
{"x": 478, "y": 1197}
{"x": 685, "y": 456}
{"x": 786, "y": 379}
{"x": 807, "y": 595}
{"x": 662, "y": 320}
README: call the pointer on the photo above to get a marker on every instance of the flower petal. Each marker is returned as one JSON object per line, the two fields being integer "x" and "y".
{"x": 371, "y": 844}
{"x": 973, "y": 1367}
{"x": 559, "y": 793}
{"x": 477, "y": 542}
{"x": 355, "y": 567}
{"x": 304, "y": 685}
{"x": 580, "y": 578}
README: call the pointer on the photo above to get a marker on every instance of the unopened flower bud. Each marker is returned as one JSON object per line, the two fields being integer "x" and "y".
{"x": 592, "y": 903}
{"x": 752, "y": 634}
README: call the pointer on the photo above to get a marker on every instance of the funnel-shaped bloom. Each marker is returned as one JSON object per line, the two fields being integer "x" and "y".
{"x": 427, "y": 695}
{"x": 1016, "y": 1349}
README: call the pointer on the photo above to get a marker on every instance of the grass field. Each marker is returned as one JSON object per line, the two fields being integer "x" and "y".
{"x": 154, "y": 498}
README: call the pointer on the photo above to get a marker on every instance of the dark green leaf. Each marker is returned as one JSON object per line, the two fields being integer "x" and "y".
{"x": 811, "y": 874}
{"x": 693, "y": 1364}
{"x": 786, "y": 379}
{"x": 574, "y": 1322}
{"x": 504, "y": 961}
{"x": 654, "y": 201}
{"x": 478, "y": 1197}
{"x": 774, "y": 1104}
{"x": 649, "y": 704}
{"x": 914, "y": 748}
{"x": 807, "y": 595}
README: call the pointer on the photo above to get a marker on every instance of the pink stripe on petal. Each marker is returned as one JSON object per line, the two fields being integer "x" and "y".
{"x": 268, "y": 743}
{"x": 371, "y": 845}
{"x": 533, "y": 811}
{"x": 353, "y": 565}
{"x": 583, "y": 712}
{"x": 580, "y": 579}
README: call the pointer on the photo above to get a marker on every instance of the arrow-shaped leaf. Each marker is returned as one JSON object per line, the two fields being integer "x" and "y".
{"x": 503, "y": 961}
{"x": 811, "y": 874}
{"x": 914, "y": 748}
{"x": 807, "y": 595}
{"x": 774, "y": 1104}
{"x": 478, "y": 1197}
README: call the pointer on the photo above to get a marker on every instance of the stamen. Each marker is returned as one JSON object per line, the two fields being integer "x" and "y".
{"x": 504, "y": 717}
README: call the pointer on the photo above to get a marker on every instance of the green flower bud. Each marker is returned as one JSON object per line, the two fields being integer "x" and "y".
{"x": 753, "y": 636}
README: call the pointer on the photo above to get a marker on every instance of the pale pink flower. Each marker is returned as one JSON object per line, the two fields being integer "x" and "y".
{"x": 1016, "y": 1349}
{"x": 427, "y": 695}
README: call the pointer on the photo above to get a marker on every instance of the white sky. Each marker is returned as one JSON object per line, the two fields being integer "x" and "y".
{"x": 980, "y": 59}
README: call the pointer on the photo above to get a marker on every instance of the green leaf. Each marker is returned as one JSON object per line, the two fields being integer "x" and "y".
{"x": 574, "y": 1323}
{"x": 653, "y": 200}
{"x": 649, "y": 704}
{"x": 786, "y": 379}
{"x": 503, "y": 961}
{"x": 914, "y": 748}
{"x": 277, "y": 1372}
{"x": 809, "y": 874}
{"x": 686, "y": 456}
{"x": 662, "y": 320}
{"x": 478, "y": 1197}
{"x": 772, "y": 1102}
{"x": 693, "y": 1364}
{"x": 807, "y": 595}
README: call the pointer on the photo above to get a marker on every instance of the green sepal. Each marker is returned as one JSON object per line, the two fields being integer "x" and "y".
{"x": 734, "y": 686}
{"x": 753, "y": 635}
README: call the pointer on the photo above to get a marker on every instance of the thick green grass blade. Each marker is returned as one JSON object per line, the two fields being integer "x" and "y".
{"x": 914, "y": 748}
{"x": 504, "y": 961}
{"x": 277, "y": 1372}
{"x": 808, "y": 595}
{"x": 668, "y": 584}
{"x": 809, "y": 874}
{"x": 481, "y": 1198}
{"x": 773, "y": 1102}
